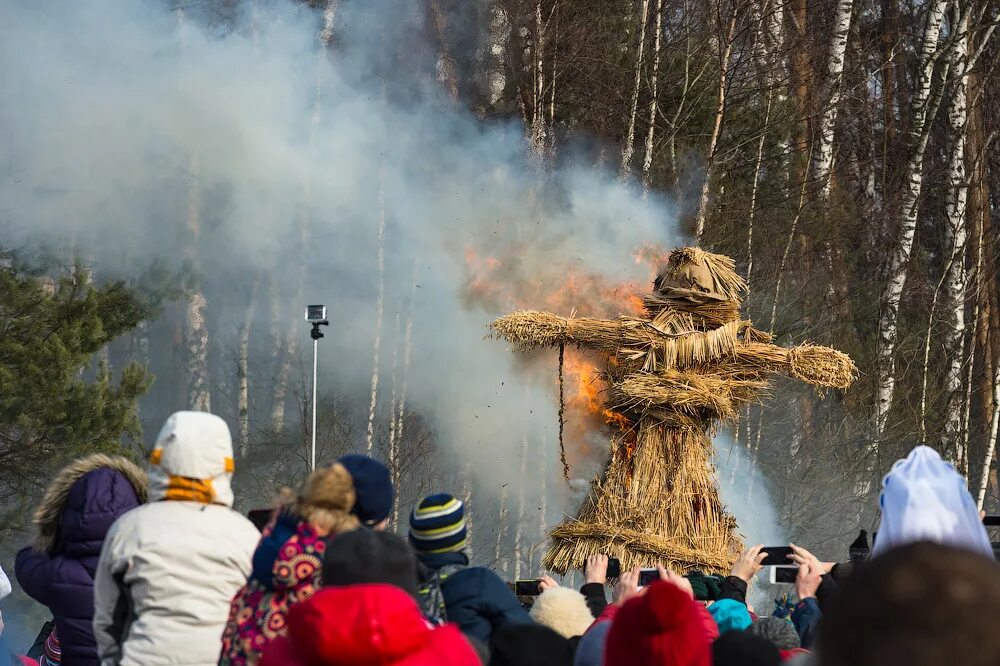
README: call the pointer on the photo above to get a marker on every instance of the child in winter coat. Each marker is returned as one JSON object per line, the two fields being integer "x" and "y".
{"x": 287, "y": 565}
{"x": 367, "y": 613}
{"x": 169, "y": 568}
{"x": 475, "y": 598}
{"x": 84, "y": 499}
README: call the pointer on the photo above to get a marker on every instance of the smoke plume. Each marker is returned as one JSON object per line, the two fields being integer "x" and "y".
{"x": 114, "y": 113}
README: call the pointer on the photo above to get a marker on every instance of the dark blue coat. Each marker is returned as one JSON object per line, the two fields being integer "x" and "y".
{"x": 476, "y": 599}
{"x": 61, "y": 574}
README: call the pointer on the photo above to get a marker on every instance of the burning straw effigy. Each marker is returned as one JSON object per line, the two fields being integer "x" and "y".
{"x": 673, "y": 377}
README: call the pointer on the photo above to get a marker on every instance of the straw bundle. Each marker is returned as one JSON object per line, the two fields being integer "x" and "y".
{"x": 575, "y": 541}
{"x": 710, "y": 396}
{"x": 706, "y": 315}
{"x": 657, "y": 503}
{"x": 822, "y": 366}
{"x": 813, "y": 364}
{"x": 688, "y": 348}
{"x": 676, "y": 375}
{"x": 722, "y": 269}
{"x": 661, "y": 343}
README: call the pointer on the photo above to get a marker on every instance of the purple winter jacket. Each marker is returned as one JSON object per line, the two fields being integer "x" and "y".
{"x": 79, "y": 507}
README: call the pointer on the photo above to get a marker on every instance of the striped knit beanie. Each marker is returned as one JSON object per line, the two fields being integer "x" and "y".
{"x": 437, "y": 525}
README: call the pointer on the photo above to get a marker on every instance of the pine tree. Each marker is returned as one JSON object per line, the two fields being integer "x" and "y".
{"x": 54, "y": 403}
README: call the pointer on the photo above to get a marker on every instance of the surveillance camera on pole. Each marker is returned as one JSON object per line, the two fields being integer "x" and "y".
{"x": 315, "y": 315}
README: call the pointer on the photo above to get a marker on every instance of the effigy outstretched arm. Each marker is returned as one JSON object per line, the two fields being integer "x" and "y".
{"x": 528, "y": 329}
{"x": 656, "y": 345}
{"x": 813, "y": 364}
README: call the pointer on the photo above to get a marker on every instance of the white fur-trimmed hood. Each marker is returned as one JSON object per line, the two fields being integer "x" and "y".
{"x": 48, "y": 515}
{"x": 563, "y": 610}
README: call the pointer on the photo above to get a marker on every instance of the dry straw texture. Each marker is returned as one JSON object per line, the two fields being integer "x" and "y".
{"x": 674, "y": 376}
{"x": 656, "y": 504}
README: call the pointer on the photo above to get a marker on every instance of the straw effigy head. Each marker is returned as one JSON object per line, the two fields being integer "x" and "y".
{"x": 695, "y": 277}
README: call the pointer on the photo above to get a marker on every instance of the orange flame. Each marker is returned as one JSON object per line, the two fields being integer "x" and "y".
{"x": 509, "y": 283}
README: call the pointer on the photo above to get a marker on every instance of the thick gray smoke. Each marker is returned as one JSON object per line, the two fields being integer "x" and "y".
{"x": 117, "y": 116}
{"x": 743, "y": 489}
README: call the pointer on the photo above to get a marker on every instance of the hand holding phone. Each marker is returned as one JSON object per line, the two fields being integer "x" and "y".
{"x": 776, "y": 556}
{"x": 749, "y": 563}
{"x": 783, "y": 575}
{"x": 648, "y": 576}
{"x": 597, "y": 569}
{"x": 807, "y": 581}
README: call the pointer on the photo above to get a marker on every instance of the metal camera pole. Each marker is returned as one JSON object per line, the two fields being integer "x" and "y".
{"x": 316, "y": 334}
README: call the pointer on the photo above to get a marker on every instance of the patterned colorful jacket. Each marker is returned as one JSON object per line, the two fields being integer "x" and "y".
{"x": 286, "y": 571}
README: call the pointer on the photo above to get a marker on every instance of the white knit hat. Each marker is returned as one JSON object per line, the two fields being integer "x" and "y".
{"x": 925, "y": 499}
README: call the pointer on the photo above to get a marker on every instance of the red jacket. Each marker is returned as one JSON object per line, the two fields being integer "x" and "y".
{"x": 366, "y": 625}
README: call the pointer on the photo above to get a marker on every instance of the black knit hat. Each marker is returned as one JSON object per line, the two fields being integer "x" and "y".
{"x": 739, "y": 648}
{"x": 778, "y": 631}
{"x": 366, "y": 556}
{"x": 529, "y": 645}
{"x": 373, "y": 486}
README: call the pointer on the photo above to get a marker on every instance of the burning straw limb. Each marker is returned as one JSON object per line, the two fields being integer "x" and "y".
{"x": 658, "y": 343}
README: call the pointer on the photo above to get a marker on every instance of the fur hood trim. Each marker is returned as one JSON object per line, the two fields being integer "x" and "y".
{"x": 48, "y": 515}
{"x": 563, "y": 610}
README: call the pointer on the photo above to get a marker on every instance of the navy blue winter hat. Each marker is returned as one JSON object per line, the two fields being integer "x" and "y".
{"x": 437, "y": 525}
{"x": 373, "y": 486}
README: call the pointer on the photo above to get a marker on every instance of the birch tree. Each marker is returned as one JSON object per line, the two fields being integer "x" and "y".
{"x": 823, "y": 153}
{"x": 647, "y": 161}
{"x": 199, "y": 395}
{"x": 902, "y": 245}
{"x": 243, "y": 371}
{"x": 725, "y": 53}
{"x": 955, "y": 277}
{"x": 629, "y": 147}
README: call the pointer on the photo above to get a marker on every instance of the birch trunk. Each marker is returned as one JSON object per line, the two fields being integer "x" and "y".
{"x": 380, "y": 261}
{"x": 629, "y": 148}
{"x": 199, "y": 396}
{"x": 498, "y": 560}
{"x": 393, "y": 461}
{"x": 519, "y": 530}
{"x": 726, "y": 51}
{"x": 243, "y": 372}
{"x": 647, "y": 161}
{"x": 467, "y": 500}
{"x": 543, "y": 522}
{"x": 538, "y": 125}
{"x": 957, "y": 230}
{"x": 992, "y": 439}
{"x": 823, "y": 161}
{"x": 446, "y": 65}
{"x": 899, "y": 253}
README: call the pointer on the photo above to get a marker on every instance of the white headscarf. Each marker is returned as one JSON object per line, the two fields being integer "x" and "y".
{"x": 925, "y": 499}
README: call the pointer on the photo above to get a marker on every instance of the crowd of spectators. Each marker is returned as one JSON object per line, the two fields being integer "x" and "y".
{"x": 150, "y": 568}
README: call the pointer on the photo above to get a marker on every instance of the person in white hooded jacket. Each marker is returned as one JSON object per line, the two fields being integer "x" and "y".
{"x": 169, "y": 568}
